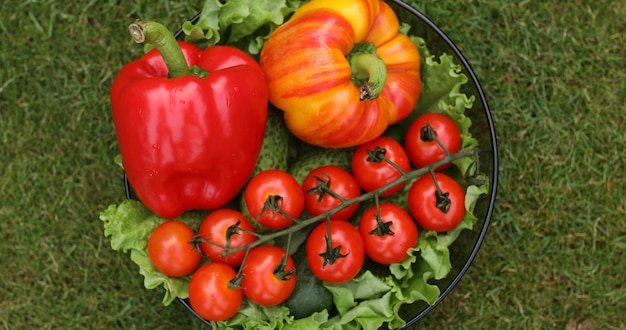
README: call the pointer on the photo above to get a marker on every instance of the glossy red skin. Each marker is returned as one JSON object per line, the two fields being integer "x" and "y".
{"x": 209, "y": 294}
{"x": 259, "y": 283}
{"x": 388, "y": 249}
{"x": 214, "y": 227}
{"x": 342, "y": 234}
{"x": 188, "y": 142}
{"x": 422, "y": 200}
{"x": 341, "y": 182}
{"x": 373, "y": 175}
{"x": 169, "y": 249}
{"x": 274, "y": 183}
{"x": 422, "y": 153}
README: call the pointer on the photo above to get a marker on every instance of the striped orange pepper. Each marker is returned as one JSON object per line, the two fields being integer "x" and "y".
{"x": 341, "y": 72}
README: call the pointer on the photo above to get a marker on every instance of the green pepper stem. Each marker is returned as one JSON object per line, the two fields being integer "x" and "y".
{"x": 150, "y": 32}
{"x": 367, "y": 66}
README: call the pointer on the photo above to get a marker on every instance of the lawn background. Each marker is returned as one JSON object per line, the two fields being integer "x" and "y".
{"x": 554, "y": 74}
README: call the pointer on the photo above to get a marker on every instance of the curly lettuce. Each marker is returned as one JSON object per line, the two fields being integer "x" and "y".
{"x": 129, "y": 225}
{"x": 245, "y": 24}
{"x": 444, "y": 95}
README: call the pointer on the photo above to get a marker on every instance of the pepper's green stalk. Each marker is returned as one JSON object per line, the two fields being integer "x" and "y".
{"x": 150, "y": 32}
{"x": 368, "y": 70}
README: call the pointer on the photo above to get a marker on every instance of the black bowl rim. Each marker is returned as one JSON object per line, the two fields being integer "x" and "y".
{"x": 494, "y": 146}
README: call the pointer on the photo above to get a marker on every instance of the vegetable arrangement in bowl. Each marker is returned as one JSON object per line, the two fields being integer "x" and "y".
{"x": 296, "y": 164}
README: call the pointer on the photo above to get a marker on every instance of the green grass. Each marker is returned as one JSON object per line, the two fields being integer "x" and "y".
{"x": 554, "y": 255}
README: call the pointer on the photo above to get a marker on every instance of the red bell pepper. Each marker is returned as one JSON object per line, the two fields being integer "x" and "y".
{"x": 189, "y": 122}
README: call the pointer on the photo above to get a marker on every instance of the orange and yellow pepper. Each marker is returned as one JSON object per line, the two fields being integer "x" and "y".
{"x": 341, "y": 71}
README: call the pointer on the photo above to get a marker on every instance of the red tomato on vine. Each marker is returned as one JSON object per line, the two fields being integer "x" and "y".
{"x": 428, "y": 138}
{"x": 437, "y": 205}
{"x": 212, "y": 295}
{"x": 326, "y": 187}
{"x": 274, "y": 197}
{"x": 379, "y": 162}
{"x": 225, "y": 228}
{"x": 269, "y": 275}
{"x": 388, "y": 235}
{"x": 171, "y": 250}
{"x": 335, "y": 251}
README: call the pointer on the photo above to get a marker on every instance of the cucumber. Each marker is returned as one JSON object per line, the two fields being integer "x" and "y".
{"x": 396, "y": 132}
{"x": 309, "y": 295}
{"x": 317, "y": 157}
{"x": 275, "y": 148}
{"x": 274, "y": 153}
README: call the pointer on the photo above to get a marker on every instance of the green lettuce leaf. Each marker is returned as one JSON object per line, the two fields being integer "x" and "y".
{"x": 252, "y": 317}
{"x": 444, "y": 95}
{"x": 364, "y": 287}
{"x": 243, "y": 23}
{"x": 129, "y": 225}
{"x": 363, "y": 302}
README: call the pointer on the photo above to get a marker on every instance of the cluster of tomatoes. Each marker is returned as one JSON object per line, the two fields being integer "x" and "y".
{"x": 329, "y": 195}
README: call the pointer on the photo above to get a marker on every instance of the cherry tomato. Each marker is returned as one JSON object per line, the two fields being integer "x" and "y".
{"x": 211, "y": 294}
{"x": 433, "y": 211}
{"x": 225, "y": 227}
{"x": 336, "y": 258}
{"x": 269, "y": 275}
{"x": 171, "y": 251}
{"x": 274, "y": 190}
{"x": 422, "y": 149}
{"x": 387, "y": 238}
{"x": 372, "y": 171}
{"x": 320, "y": 185}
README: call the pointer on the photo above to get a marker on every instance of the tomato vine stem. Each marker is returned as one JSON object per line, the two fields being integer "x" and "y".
{"x": 331, "y": 254}
{"x": 378, "y": 155}
{"x": 428, "y": 133}
{"x": 280, "y": 271}
{"x": 303, "y": 223}
{"x": 382, "y": 227}
{"x": 273, "y": 204}
{"x": 323, "y": 188}
{"x": 442, "y": 200}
